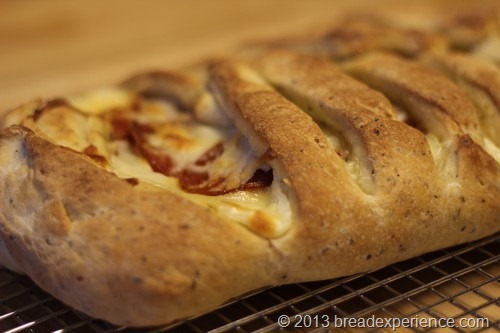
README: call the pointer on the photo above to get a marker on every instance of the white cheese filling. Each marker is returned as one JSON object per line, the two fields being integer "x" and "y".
{"x": 266, "y": 211}
{"x": 492, "y": 149}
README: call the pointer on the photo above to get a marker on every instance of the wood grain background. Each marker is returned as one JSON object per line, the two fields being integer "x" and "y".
{"x": 53, "y": 47}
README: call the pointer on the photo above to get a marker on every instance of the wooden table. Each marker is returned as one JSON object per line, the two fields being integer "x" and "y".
{"x": 55, "y": 47}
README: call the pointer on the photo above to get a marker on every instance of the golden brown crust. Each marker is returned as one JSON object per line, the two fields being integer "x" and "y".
{"x": 361, "y": 187}
{"x": 363, "y": 117}
{"x": 410, "y": 199}
{"x": 437, "y": 105}
{"x": 467, "y": 29}
{"x": 113, "y": 251}
{"x": 481, "y": 81}
{"x": 360, "y": 34}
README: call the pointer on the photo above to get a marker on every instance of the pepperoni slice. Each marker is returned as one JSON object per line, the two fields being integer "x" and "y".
{"x": 191, "y": 181}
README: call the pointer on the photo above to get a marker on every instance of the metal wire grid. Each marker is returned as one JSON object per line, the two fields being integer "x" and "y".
{"x": 461, "y": 282}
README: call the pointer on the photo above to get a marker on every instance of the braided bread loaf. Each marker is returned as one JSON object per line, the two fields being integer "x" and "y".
{"x": 300, "y": 159}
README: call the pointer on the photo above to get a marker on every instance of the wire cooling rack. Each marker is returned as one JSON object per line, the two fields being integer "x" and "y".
{"x": 461, "y": 283}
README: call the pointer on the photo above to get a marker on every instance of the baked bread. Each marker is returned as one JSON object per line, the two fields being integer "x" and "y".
{"x": 291, "y": 161}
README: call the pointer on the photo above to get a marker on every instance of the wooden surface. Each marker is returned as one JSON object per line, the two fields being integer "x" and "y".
{"x": 54, "y": 47}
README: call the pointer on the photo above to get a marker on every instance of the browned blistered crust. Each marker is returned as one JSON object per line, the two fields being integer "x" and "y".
{"x": 181, "y": 89}
{"x": 137, "y": 255}
{"x": 400, "y": 220}
{"x": 360, "y": 34}
{"x": 363, "y": 116}
{"x": 481, "y": 81}
{"x": 467, "y": 29}
{"x": 133, "y": 256}
{"x": 447, "y": 110}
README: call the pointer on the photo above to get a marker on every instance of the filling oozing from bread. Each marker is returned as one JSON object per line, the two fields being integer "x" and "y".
{"x": 339, "y": 133}
{"x": 153, "y": 145}
{"x": 488, "y": 49}
{"x": 489, "y": 117}
{"x": 348, "y": 149}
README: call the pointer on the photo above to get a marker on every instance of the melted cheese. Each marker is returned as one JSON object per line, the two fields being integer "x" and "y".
{"x": 207, "y": 111}
{"x": 100, "y": 100}
{"x": 439, "y": 150}
{"x": 359, "y": 173}
{"x": 333, "y": 139}
{"x": 185, "y": 142}
{"x": 435, "y": 146}
{"x": 492, "y": 149}
{"x": 401, "y": 115}
{"x": 13, "y": 158}
{"x": 444, "y": 157}
{"x": 488, "y": 49}
{"x": 266, "y": 211}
